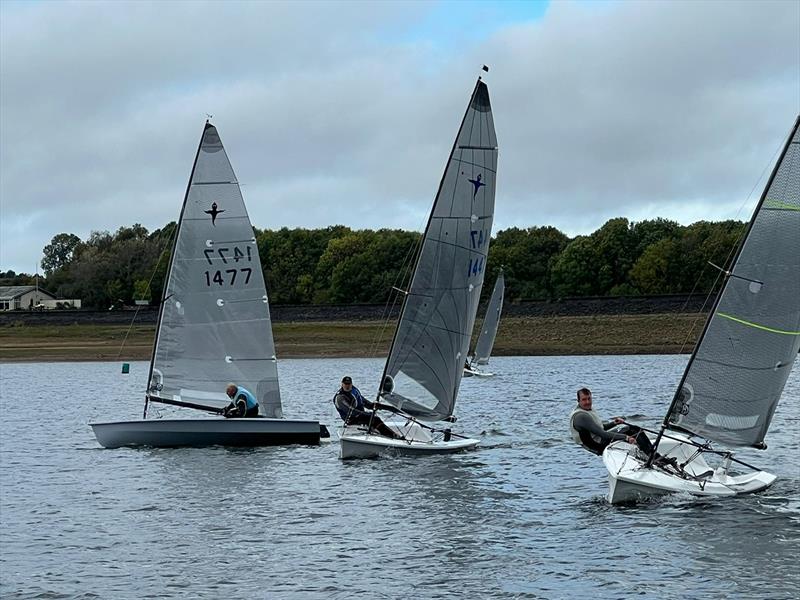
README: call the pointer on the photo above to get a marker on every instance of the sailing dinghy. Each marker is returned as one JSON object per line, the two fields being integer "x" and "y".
{"x": 423, "y": 371}
{"x": 213, "y": 326}
{"x": 740, "y": 364}
{"x": 483, "y": 349}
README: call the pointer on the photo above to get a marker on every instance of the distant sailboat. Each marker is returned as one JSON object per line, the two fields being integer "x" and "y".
{"x": 426, "y": 361}
{"x": 214, "y": 326}
{"x": 740, "y": 364}
{"x": 483, "y": 349}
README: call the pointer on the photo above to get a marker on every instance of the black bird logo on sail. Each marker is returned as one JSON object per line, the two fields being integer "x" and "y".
{"x": 477, "y": 183}
{"x": 214, "y": 212}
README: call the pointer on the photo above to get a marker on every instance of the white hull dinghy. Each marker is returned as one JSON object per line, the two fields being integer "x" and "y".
{"x": 631, "y": 480}
{"x": 483, "y": 349}
{"x": 426, "y": 360}
{"x": 357, "y": 442}
{"x": 474, "y": 371}
{"x": 736, "y": 374}
{"x": 213, "y": 326}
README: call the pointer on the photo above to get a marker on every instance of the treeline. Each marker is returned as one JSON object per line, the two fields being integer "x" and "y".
{"x": 338, "y": 265}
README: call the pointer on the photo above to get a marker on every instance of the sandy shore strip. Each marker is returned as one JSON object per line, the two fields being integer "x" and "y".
{"x": 518, "y": 336}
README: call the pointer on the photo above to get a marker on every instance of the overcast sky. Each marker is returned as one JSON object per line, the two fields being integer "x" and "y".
{"x": 346, "y": 112}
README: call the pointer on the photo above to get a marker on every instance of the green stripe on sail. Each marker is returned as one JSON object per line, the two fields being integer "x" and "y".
{"x": 780, "y": 205}
{"x": 757, "y": 326}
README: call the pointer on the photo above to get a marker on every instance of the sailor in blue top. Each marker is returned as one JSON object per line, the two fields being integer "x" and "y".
{"x": 243, "y": 403}
{"x": 352, "y": 407}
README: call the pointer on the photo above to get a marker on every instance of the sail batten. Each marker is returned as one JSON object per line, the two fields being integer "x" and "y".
{"x": 755, "y": 321}
{"x": 425, "y": 363}
{"x": 214, "y": 326}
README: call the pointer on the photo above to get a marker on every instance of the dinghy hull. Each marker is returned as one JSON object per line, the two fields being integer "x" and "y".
{"x": 176, "y": 433}
{"x": 630, "y": 481}
{"x": 475, "y": 372}
{"x": 358, "y": 443}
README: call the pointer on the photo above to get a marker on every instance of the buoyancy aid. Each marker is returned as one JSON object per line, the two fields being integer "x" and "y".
{"x": 249, "y": 399}
{"x": 576, "y": 436}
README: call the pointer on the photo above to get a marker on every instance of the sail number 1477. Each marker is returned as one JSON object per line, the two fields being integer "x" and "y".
{"x": 228, "y": 276}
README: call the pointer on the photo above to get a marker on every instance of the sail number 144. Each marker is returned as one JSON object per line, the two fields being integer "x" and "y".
{"x": 477, "y": 240}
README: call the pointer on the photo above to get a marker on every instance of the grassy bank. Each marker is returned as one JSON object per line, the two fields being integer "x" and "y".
{"x": 520, "y": 336}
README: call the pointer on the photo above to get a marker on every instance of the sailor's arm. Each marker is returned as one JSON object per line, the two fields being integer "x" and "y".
{"x": 613, "y": 422}
{"x": 584, "y": 423}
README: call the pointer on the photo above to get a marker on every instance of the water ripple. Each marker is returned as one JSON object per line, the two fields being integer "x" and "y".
{"x": 522, "y": 517}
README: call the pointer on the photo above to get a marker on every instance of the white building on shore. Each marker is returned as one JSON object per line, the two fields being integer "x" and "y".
{"x": 30, "y": 297}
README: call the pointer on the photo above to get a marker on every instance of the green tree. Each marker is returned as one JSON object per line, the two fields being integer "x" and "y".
{"x": 651, "y": 231}
{"x": 576, "y": 270}
{"x": 363, "y": 266}
{"x": 289, "y": 258}
{"x": 527, "y": 257}
{"x": 59, "y": 252}
{"x": 682, "y": 264}
{"x": 141, "y": 290}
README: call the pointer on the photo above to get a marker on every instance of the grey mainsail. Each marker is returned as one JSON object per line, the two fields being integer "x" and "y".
{"x": 483, "y": 349}
{"x": 214, "y": 327}
{"x": 735, "y": 378}
{"x": 425, "y": 364}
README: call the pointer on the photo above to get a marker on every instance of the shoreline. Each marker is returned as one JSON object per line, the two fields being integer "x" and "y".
{"x": 672, "y": 333}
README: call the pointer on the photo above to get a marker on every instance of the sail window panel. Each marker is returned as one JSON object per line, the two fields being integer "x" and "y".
{"x": 736, "y": 385}
{"x": 431, "y": 341}
{"x": 716, "y": 408}
{"x": 424, "y": 371}
{"x": 429, "y": 365}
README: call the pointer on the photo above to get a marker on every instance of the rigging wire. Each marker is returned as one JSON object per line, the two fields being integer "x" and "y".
{"x": 401, "y": 281}
{"x": 391, "y": 301}
{"x": 731, "y": 251}
{"x": 149, "y": 284}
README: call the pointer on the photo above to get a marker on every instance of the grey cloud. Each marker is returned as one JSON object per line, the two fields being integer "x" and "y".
{"x": 637, "y": 109}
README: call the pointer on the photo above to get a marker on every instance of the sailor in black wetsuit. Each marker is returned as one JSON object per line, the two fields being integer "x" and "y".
{"x": 592, "y": 433}
{"x": 352, "y": 407}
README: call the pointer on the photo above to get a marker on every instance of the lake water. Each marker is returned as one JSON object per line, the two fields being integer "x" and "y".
{"x": 524, "y": 516}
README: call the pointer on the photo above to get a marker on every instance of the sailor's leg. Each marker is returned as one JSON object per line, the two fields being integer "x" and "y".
{"x": 644, "y": 443}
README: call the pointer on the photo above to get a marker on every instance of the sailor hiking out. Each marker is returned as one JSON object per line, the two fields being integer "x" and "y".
{"x": 589, "y": 430}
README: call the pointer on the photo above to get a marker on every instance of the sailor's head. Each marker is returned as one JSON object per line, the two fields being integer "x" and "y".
{"x": 585, "y": 398}
{"x": 347, "y": 383}
{"x": 231, "y": 390}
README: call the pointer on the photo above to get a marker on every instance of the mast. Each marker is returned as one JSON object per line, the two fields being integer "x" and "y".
{"x": 169, "y": 269}
{"x": 422, "y": 241}
{"x": 728, "y": 274}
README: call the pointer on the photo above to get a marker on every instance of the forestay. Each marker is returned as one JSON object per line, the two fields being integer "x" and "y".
{"x": 215, "y": 325}
{"x": 425, "y": 364}
{"x": 483, "y": 349}
{"x": 734, "y": 381}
